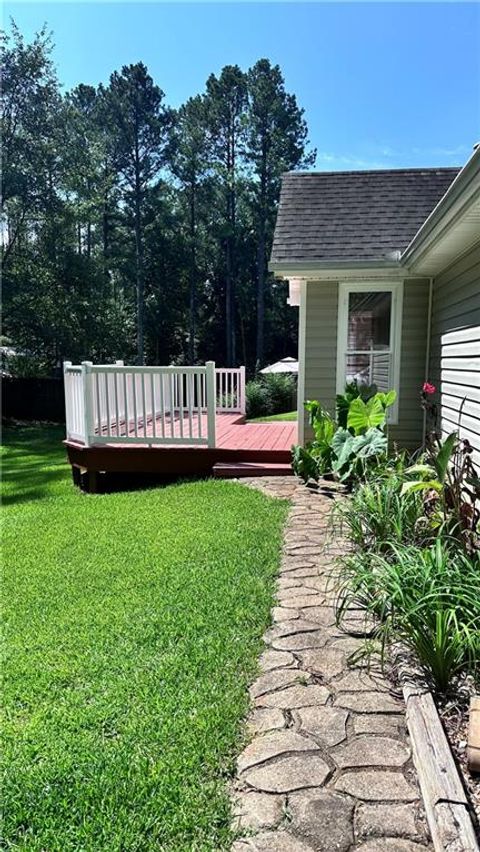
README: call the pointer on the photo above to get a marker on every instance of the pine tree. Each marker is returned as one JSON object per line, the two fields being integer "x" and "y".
{"x": 276, "y": 142}
{"x": 226, "y": 102}
{"x": 142, "y": 123}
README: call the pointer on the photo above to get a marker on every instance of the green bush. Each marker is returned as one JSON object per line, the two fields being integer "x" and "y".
{"x": 257, "y": 399}
{"x": 270, "y": 394}
{"x": 281, "y": 389}
{"x": 425, "y": 598}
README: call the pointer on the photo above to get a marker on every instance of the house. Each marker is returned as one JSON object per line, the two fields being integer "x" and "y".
{"x": 385, "y": 269}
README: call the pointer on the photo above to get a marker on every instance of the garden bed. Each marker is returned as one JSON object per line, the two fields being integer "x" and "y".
{"x": 454, "y": 713}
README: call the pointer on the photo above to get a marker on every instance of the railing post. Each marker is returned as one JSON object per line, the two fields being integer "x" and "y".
{"x": 87, "y": 401}
{"x": 67, "y": 394}
{"x": 242, "y": 400}
{"x": 211, "y": 402}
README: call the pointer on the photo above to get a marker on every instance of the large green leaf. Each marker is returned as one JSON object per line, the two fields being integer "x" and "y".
{"x": 364, "y": 415}
{"x": 422, "y": 469}
{"x": 442, "y": 458}
{"x": 304, "y": 463}
{"x": 342, "y": 445}
{"x": 387, "y": 399}
{"x": 372, "y": 443}
{"x": 421, "y": 485}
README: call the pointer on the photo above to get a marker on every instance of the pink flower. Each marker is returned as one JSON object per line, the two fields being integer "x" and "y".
{"x": 428, "y": 388}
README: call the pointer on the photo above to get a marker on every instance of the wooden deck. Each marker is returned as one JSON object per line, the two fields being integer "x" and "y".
{"x": 241, "y": 449}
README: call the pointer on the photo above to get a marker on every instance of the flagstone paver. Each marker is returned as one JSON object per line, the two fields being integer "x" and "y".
{"x": 328, "y": 766}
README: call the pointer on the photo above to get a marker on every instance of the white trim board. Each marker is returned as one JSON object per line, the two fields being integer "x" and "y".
{"x": 302, "y": 338}
{"x": 396, "y": 289}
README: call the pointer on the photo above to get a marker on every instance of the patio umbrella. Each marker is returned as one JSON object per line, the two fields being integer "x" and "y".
{"x": 285, "y": 365}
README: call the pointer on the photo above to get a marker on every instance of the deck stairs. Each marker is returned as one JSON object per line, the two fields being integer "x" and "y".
{"x": 242, "y": 469}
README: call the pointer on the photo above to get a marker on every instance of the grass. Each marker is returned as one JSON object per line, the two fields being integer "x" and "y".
{"x": 132, "y": 626}
{"x": 288, "y": 415}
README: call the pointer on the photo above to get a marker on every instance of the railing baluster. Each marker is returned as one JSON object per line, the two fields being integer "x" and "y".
{"x": 154, "y": 408}
{"x": 180, "y": 401}
{"x": 134, "y": 397}
{"x": 117, "y": 410}
{"x": 172, "y": 405}
{"x": 144, "y": 406}
{"x": 199, "y": 402}
{"x": 189, "y": 384}
{"x": 99, "y": 412}
{"x": 162, "y": 402}
{"x": 125, "y": 405}
{"x": 107, "y": 404}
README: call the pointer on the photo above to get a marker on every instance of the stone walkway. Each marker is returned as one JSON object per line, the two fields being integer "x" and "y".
{"x": 328, "y": 768}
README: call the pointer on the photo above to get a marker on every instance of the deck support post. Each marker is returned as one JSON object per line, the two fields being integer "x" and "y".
{"x": 211, "y": 402}
{"x": 87, "y": 401}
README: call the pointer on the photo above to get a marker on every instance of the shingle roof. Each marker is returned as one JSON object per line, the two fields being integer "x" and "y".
{"x": 366, "y": 215}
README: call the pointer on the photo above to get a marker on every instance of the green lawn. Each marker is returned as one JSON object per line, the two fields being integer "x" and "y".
{"x": 288, "y": 415}
{"x": 133, "y": 624}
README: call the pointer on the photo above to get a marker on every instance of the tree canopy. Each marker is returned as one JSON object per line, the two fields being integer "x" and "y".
{"x": 133, "y": 230}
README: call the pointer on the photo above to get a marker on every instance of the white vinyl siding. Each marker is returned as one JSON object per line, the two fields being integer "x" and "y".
{"x": 455, "y": 349}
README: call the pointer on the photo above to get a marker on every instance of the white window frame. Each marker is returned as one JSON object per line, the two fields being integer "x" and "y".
{"x": 396, "y": 289}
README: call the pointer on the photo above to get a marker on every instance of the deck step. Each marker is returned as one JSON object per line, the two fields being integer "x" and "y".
{"x": 233, "y": 470}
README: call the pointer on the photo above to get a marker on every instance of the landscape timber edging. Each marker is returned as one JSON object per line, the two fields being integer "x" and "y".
{"x": 445, "y": 801}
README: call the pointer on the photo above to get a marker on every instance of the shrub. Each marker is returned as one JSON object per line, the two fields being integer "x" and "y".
{"x": 428, "y": 599}
{"x": 270, "y": 394}
{"x": 257, "y": 399}
{"x": 281, "y": 389}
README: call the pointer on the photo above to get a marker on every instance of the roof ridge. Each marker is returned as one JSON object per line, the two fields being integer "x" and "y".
{"x": 316, "y": 172}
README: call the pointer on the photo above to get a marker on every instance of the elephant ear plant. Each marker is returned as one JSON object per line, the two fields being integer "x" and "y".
{"x": 348, "y": 446}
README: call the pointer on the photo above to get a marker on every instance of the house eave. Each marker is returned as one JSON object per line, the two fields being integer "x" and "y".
{"x": 452, "y": 227}
{"x": 331, "y": 268}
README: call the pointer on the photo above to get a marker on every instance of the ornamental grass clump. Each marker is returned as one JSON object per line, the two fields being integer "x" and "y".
{"x": 377, "y": 515}
{"x": 425, "y": 598}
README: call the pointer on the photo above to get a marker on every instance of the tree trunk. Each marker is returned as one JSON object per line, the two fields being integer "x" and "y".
{"x": 261, "y": 294}
{"x": 139, "y": 280}
{"x": 230, "y": 252}
{"x": 193, "y": 275}
{"x": 105, "y": 241}
{"x": 261, "y": 252}
{"x": 228, "y": 303}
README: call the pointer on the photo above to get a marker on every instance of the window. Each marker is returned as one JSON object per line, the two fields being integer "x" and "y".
{"x": 369, "y": 328}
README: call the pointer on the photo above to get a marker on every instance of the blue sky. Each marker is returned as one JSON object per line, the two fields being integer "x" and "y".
{"x": 382, "y": 84}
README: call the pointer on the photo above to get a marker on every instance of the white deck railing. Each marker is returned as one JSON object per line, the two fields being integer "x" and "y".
{"x": 155, "y": 405}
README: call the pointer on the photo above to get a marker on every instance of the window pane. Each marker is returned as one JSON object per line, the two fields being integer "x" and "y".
{"x": 358, "y": 369}
{"x": 369, "y": 321}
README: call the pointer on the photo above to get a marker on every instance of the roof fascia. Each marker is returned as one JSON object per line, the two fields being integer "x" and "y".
{"x": 446, "y": 212}
{"x": 330, "y": 268}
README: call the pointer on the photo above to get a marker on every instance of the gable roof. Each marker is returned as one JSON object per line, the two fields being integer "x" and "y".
{"x": 354, "y": 216}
